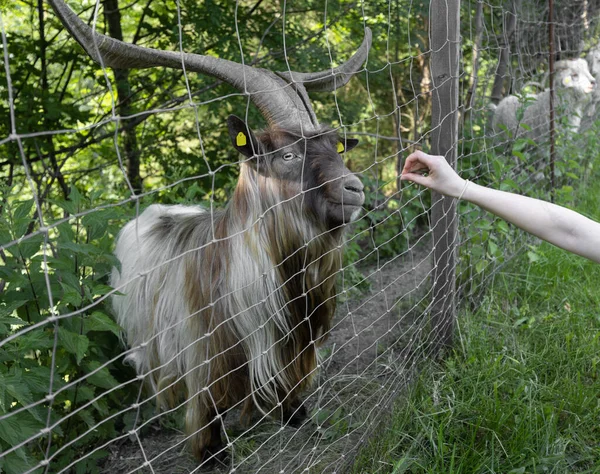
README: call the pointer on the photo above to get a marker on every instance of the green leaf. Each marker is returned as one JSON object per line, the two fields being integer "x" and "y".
{"x": 502, "y": 226}
{"x": 6, "y": 272}
{"x": 525, "y": 126}
{"x": 481, "y": 266}
{"x": 75, "y": 197}
{"x": 320, "y": 416}
{"x": 69, "y": 206}
{"x": 87, "y": 417}
{"x": 84, "y": 393}
{"x": 520, "y": 322}
{"x": 99, "y": 321}
{"x": 37, "y": 339}
{"x": 70, "y": 279}
{"x": 29, "y": 247}
{"x": 532, "y": 256}
{"x": 520, "y": 155}
{"x": 19, "y": 427}
{"x": 16, "y": 388}
{"x": 102, "y": 378}
{"x": 7, "y": 310}
{"x": 100, "y": 290}
{"x": 70, "y": 295}
{"x": 66, "y": 232}
{"x": 83, "y": 249}
{"x": 97, "y": 224}
{"x": 74, "y": 343}
{"x": 493, "y": 248}
{"x": 23, "y": 210}
{"x": 483, "y": 224}
{"x": 38, "y": 380}
{"x": 5, "y": 235}
{"x": 18, "y": 462}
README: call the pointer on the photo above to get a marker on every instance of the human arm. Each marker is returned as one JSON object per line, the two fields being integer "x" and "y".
{"x": 555, "y": 224}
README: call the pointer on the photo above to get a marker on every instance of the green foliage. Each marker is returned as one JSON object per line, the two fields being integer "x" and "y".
{"x": 59, "y": 280}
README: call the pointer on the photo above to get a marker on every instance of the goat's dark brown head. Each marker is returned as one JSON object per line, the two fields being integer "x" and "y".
{"x": 307, "y": 169}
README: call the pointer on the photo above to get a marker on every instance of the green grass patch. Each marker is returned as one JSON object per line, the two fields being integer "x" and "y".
{"x": 521, "y": 391}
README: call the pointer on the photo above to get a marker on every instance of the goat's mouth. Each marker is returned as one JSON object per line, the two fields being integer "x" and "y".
{"x": 348, "y": 210}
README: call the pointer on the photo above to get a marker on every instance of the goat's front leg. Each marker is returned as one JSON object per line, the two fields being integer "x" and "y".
{"x": 203, "y": 424}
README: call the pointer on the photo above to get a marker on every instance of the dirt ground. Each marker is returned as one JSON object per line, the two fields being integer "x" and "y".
{"x": 365, "y": 364}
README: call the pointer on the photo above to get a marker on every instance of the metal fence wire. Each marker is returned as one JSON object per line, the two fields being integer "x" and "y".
{"x": 272, "y": 293}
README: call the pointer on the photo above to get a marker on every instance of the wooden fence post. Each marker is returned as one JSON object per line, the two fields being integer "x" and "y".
{"x": 444, "y": 41}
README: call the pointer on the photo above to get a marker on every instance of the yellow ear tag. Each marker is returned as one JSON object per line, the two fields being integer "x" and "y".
{"x": 340, "y": 147}
{"x": 567, "y": 81}
{"x": 240, "y": 140}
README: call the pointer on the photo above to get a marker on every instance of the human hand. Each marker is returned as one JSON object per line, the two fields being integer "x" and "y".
{"x": 439, "y": 176}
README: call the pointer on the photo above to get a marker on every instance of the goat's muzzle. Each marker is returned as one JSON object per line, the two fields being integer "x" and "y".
{"x": 351, "y": 197}
{"x": 353, "y": 191}
{"x": 592, "y": 86}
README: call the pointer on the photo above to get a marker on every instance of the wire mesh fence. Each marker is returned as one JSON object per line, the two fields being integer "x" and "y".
{"x": 251, "y": 319}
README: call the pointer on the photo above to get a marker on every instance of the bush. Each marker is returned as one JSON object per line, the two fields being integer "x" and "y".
{"x": 60, "y": 359}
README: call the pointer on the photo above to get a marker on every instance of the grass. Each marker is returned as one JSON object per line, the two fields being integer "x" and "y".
{"x": 521, "y": 392}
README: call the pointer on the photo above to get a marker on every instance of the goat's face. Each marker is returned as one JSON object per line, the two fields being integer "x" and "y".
{"x": 574, "y": 75}
{"x": 308, "y": 170}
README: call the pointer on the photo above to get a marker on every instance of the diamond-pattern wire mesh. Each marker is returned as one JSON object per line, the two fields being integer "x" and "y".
{"x": 68, "y": 404}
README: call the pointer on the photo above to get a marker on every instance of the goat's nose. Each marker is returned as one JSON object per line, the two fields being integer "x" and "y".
{"x": 353, "y": 184}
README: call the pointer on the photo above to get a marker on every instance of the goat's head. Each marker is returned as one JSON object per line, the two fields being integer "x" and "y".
{"x": 574, "y": 76}
{"x": 306, "y": 169}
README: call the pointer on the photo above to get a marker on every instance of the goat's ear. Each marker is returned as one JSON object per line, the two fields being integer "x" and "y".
{"x": 242, "y": 138}
{"x": 346, "y": 145}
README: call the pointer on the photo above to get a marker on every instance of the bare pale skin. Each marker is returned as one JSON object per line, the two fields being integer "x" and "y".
{"x": 555, "y": 224}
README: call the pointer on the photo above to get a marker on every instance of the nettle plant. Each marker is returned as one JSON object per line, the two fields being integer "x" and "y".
{"x": 56, "y": 375}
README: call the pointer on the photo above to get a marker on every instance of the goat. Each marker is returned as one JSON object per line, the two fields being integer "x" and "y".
{"x": 590, "y": 112}
{"x": 573, "y": 84}
{"x": 228, "y": 308}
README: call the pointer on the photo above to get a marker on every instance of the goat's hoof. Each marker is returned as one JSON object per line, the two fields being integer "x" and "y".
{"x": 215, "y": 456}
{"x": 297, "y": 416}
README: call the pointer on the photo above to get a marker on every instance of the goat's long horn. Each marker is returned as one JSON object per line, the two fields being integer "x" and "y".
{"x": 282, "y": 99}
{"x": 332, "y": 79}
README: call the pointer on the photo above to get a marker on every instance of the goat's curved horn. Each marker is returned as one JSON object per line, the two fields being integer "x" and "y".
{"x": 282, "y": 103}
{"x": 332, "y": 79}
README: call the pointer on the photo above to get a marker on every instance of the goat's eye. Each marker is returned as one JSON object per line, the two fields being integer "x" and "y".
{"x": 575, "y": 76}
{"x": 288, "y": 156}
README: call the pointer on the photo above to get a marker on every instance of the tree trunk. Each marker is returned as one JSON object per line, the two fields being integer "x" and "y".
{"x": 470, "y": 98}
{"x": 503, "y": 60}
{"x": 130, "y": 146}
{"x": 55, "y": 170}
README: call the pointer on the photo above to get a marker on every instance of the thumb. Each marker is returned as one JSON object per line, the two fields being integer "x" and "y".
{"x": 415, "y": 178}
